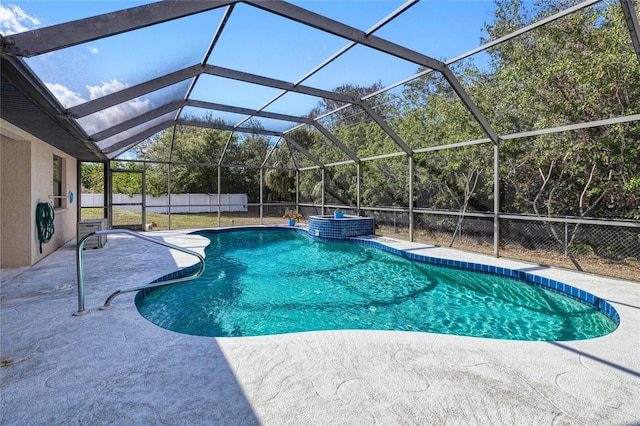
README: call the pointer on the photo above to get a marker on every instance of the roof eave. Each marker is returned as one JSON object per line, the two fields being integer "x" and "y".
{"x": 28, "y": 104}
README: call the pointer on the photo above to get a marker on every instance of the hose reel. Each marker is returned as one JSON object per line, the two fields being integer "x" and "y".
{"x": 44, "y": 222}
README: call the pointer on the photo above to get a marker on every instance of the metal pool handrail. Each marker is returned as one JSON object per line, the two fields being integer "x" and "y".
{"x": 107, "y": 304}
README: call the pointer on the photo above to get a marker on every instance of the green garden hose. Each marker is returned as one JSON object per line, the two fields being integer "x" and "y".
{"x": 44, "y": 222}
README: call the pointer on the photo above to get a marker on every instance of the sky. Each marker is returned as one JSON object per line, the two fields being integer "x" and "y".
{"x": 254, "y": 41}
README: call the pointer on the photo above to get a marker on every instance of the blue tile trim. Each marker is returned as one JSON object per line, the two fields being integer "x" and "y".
{"x": 181, "y": 273}
{"x": 547, "y": 283}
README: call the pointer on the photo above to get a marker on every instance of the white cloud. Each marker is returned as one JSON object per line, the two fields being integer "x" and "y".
{"x": 103, "y": 119}
{"x": 117, "y": 114}
{"x": 93, "y": 50}
{"x": 110, "y": 86}
{"x": 67, "y": 98}
{"x": 14, "y": 20}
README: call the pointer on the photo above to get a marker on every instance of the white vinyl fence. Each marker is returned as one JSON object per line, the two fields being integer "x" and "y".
{"x": 180, "y": 203}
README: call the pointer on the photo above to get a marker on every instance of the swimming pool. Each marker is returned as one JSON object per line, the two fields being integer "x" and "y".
{"x": 264, "y": 281}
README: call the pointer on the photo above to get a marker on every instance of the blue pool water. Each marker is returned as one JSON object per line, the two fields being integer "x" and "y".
{"x": 262, "y": 282}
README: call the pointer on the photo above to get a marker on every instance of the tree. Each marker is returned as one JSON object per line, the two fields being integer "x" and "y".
{"x": 579, "y": 68}
{"x": 196, "y": 151}
{"x": 281, "y": 182}
{"x": 128, "y": 181}
{"x": 92, "y": 177}
{"x": 280, "y": 175}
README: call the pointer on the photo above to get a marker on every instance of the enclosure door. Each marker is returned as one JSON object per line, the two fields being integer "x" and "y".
{"x": 128, "y": 210}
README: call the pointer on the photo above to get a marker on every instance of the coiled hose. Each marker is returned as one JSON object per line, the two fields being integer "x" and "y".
{"x": 44, "y": 222}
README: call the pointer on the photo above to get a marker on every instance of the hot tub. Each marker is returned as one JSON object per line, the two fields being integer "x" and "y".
{"x": 347, "y": 226}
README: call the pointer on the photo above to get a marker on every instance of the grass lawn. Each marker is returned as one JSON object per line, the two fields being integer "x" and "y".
{"x": 184, "y": 220}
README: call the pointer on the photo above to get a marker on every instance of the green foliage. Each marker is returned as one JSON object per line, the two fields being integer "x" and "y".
{"x": 92, "y": 177}
{"x": 195, "y": 154}
{"x": 282, "y": 183}
{"x": 578, "y": 68}
{"x": 125, "y": 179}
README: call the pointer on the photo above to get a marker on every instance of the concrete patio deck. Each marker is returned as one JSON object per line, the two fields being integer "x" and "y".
{"x": 115, "y": 367}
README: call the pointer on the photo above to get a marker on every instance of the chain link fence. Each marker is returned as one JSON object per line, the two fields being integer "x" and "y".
{"x": 611, "y": 249}
{"x": 464, "y": 233}
{"x": 603, "y": 249}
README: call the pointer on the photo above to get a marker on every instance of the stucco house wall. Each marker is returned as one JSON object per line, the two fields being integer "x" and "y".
{"x": 26, "y": 178}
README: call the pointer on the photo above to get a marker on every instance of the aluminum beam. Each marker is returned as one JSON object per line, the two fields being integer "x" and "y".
{"x": 218, "y": 33}
{"x": 226, "y": 146}
{"x": 176, "y": 105}
{"x": 327, "y": 114}
{"x": 385, "y": 127}
{"x": 631, "y": 16}
{"x": 490, "y": 44}
{"x": 383, "y": 156}
{"x": 293, "y": 157}
{"x": 173, "y": 140}
{"x": 496, "y": 200}
{"x": 453, "y": 145}
{"x": 599, "y": 222}
{"x": 115, "y": 154}
{"x": 306, "y": 17}
{"x": 411, "y": 179}
{"x": 471, "y": 107}
{"x": 297, "y": 189}
{"x": 336, "y": 141}
{"x": 133, "y": 92}
{"x": 571, "y": 127}
{"x": 341, "y": 163}
{"x": 219, "y": 192}
{"x": 218, "y": 126}
{"x": 524, "y": 30}
{"x": 278, "y": 84}
{"x": 568, "y": 128}
{"x": 346, "y": 48}
{"x": 136, "y": 121}
{"x": 261, "y": 196}
{"x": 136, "y": 139}
{"x": 550, "y": 130}
{"x": 322, "y": 192}
{"x": 306, "y": 153}
{"x": 358, "y": 189}
{"x": 273, "y": 148}
{"x": 212, "y": 45}
{"x": 55, "y": 37}
{"x": 248, "y": 111}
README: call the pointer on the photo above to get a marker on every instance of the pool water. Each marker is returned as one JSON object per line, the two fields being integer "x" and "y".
{"x": 263, "y": 282}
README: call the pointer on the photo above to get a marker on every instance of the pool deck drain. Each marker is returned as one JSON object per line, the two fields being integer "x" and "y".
{"x": 115, "y": 367}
